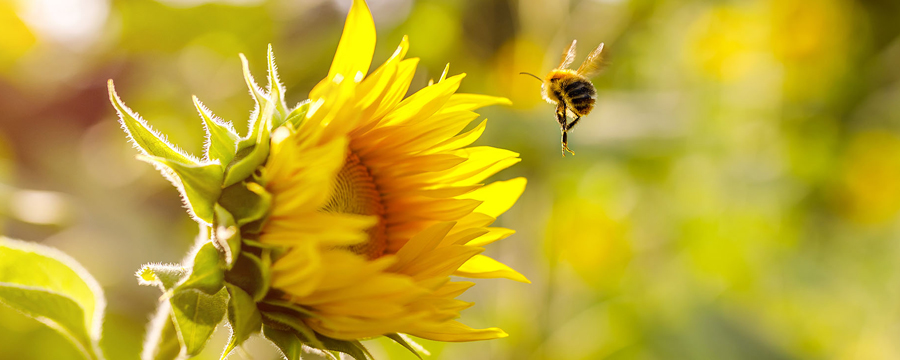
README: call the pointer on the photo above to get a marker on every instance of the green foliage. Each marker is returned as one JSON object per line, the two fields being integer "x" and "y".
{"x": 254, "y": 149}
{"x": 147, "y": 140}
{"x": 276, "y": 90}
{"x": 226, "y": 236}
{"x": 199, "y": 182}
{"x": 290, "y": 321}
{"x": 246, "y": 202}
{"x": 350, "y": 347}
{"x": 53, "y": 288}
{"x": 196, "y": 316}
{"x": 222, "y": 278}
{"x": 296, "y": 116}
{"x": 285, "y": 340}
{"x": 197, "y": 300}
{"x": 164, "y": 276}
{"x": 290, "y": 334}
{"x": 251, "y": 273}
{"x": 243, "y": 316}
{"x": 221, "y": 139}
{"x": 407, "y": 343}
{"x": 207, "y": 272}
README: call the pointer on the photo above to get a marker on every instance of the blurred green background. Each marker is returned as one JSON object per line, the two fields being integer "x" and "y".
{"x": 734, "y": 195}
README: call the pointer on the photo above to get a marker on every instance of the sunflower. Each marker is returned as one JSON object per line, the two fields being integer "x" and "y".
{"x": 378, "y": 199}
{"x": 341, "y": 219}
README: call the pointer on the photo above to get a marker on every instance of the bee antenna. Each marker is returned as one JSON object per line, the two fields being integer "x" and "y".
{"x": 532, "y": 75}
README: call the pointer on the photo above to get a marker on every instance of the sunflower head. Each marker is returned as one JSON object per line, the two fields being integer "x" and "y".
{"x": 340, "y": 219}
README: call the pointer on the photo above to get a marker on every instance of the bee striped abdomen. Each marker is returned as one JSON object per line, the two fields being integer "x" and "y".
{"x": 580, "y": 96}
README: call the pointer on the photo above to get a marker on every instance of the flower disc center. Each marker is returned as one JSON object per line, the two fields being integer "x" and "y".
{"x": 355, "y": 193}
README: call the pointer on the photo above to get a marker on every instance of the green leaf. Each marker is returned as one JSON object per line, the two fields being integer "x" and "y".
{"x": 350, "y": 347}
{"x": 243, "y": 316}
{"x": 147, "y": 140}
{"x": 296, "y": 116}
{"x": 196, "y": 316}
{"x": 164, "y": 276}
{"x": 161, "y": 342}
{"x": 53, "y": 288}
{"x": 286, "y": 341}
{"x": 199, "y": 184}
{"x": 251, "y": 273}
{"x": 408, "y": 343}
{"x": 276, "y": 90}
{"x": 226, "y": 236}
{"x": 246, "y": 201}
{"x": 221, "y": 139}
{"x": 207, "y": 274}
{"x": 303, "y": 331}
{"x": 252, "y": 151}
{"x": 258, "y": 96}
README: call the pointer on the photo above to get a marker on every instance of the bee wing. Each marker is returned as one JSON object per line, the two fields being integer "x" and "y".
{"x": 591, "y": 65}
{"x": 568, "y": 56}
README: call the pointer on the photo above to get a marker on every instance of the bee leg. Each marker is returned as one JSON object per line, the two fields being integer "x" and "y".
{"x": 572, "y": 124}
{"x": 565, "y": 136}
{"x": 561, "y": 118}
{"x": 565, "y": 143}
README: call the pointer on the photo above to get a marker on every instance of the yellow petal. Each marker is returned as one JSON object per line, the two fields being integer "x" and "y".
{"x": 441, "y": 262}
{"x": 483, "y": 162}
{"x": 473, "y": 101}
{"x": 453, "y": 289}
{"x": 354, "y": 52}
{"x": 423, "y": 103}
{"x": 462, "y": 140}
{"x": 298, "y": 271}
{"x": 443, "y": 191}
{"x": 398, "y": 88}
{"x": 411, "y": 209}
{"x": 482, "y": 267}
{"x": 465, "y": 236}
{"x": 493, "y": 234}
{"x": 456, "y": 331}
{"x": 498, "y": 196}
{"x": 421, "y": 243}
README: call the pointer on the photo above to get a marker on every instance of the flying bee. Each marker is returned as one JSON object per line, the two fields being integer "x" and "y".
{"x": 571, "y": 90}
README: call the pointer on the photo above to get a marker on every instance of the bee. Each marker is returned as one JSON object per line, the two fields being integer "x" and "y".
{"x": 571, "y": 90}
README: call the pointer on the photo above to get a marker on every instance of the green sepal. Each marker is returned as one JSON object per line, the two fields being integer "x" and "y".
{"x": 164, "y": 276}
{"x": 258, "y": 96}
{"x": 251, "y": 273}
{"x": 246, "y": 201}
{"x": 226, "y": 236}
{"x": 252, "y": 151}
{"x": 303, "y": 331}
{"x": 350, "y": 347}
{"x": 221, "y": 139}
{"x": 48, "y": 285}
{"x": 147, "y": 140}
{"x": 276, "y": 90}
{"x": 196, "y": 316}
{"x": 296, "y": 116}
{"x": 408, "y": 343}
{"x": 276, "y": 305}
{"x": 199, "y": 184}
{"x": 286, "y": 341}
{"x": 207, "y": 273}
{"x": 259, "y": 245}
{"x": 243, "y": 316}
